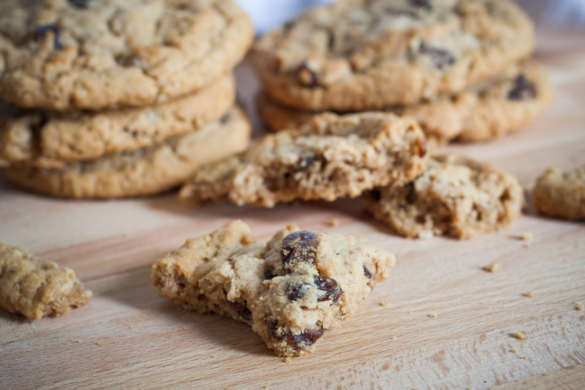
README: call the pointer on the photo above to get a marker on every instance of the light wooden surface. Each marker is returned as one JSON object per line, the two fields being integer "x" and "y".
{"x": 149, "y": 343}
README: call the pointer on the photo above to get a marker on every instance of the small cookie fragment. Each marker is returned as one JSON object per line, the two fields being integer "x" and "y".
{"x": 455, "y": 196}
{"x": 578, "y": 306}
{"x": 331, "y": 157}
{"x": 290, "y": 290}
{"x": 520, "y": 335}
{"x": 37, "y": 288}
{"x": 561, "y": 194}
{"x": 492, "y": 268}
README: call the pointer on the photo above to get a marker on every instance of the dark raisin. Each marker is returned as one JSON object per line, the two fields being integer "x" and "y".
{"x": 306, "y": 76}
{"x": 296, "y": 291}
{"x": 307, "y": 337}
{"x": 523, "y": 89}
{"x": 79, "y": 3}
{"x": 298, "y": 247}
{"x": 411, "y": 192}
{"x": 242, "y": 309}
{"x": 226, "y": 118}
{"x": 41, "y": 31}
{"x": 441, "y": 58}
{"x": 367, "y": 273}
{"x": 134, "y": 133}
{"x": 376, "y": 195}
{"x": 332, "y": 290}
{"x": 288, "y": 26}
{"x": 426, "y": 4}
{"x": 269, "y": 275}
{"x": 307, "y": 162}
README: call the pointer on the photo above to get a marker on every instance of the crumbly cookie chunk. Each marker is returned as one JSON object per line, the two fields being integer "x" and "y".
{"x": 369, "y": 54}
{"x": 561, "y": 194}
{"x": 455, "y": 196}
{"x": 290, "y": 290}
{"x": 142, "y": 172}
{"x": 98, "y": 54}
{"x": 50, "y": 139}
{"x": 37, "y": 288}
{"x": 331, "y": 157}
{"x": 485, "y": 111}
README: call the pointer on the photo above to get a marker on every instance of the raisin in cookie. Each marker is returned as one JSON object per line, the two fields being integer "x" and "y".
{"x": 331, "y": 157}
{"x": 356, "y": 55}
{"x": 488, "y": 110}
{"x": 101, "y": 54}
{"x": 455, "y": 196}
{"x": 142, "y": 172}
{"x": 561, "y": 194}
{"x": 37, "y": 288}
{"x": 289, "y": 290}
{"x": 50, "y": 139}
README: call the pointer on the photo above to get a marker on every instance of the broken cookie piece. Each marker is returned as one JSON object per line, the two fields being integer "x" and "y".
{"x": 290, "y": 289}
{"x": 37, "y": 288}
{"x": 561, "y": 194}
{"x": 455, "y": 196}
{"x": 328, "y": 158}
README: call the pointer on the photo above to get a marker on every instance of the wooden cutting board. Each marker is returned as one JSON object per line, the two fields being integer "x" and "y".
{"x": 146, "y": 342}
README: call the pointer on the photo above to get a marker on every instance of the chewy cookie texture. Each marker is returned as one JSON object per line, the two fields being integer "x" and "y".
{"x": 561, "y": 194}
{"x": 455, "y": 196}
{"x": 328, "y": 158}
{"x": 484, "y": 111}
{"x": 290, "y": 290}
{"x": 51, "y": 139}
{"x": 37, "y": 288}
{"x": 141, "y": 172}
{"x": 356, "y": 55}
{"x": 104, "y": 54}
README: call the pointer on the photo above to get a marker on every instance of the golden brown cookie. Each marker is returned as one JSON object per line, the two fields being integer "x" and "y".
{"x": 37, "y": 288}
{"x": 331, "y": 157}
{"x": 356, "y": 55}
{"x": 561, "y": 194}
{"x": 290, "y": 290}
{"x": 142, "y": 172}
{"x": 455, "y": 196}
{"x": 104, "y": 54}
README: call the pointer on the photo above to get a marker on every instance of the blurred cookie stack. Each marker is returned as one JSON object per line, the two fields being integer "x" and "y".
{"x": 112, "y": 98}
{"x": 459, "y": 67}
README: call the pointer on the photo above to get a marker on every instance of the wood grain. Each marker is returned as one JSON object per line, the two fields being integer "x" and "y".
{"x": 148, "y": 343}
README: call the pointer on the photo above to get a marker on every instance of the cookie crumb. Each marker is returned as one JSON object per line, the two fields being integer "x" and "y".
{"x": 79, "y": 341}
{"x": 131, "y": 328}
{"x": 514, "y": 350}
{"x": 287, "y": 360}
{"x": 492, "y": 268}
{"x": 525, "y": 357}
{"x": 578, "y": 306}
{"x": 184, "y": 328}
{"x": 99, "y": 343}
{"x": 520, "y": 335}
{"x": 385, "y": 304}
{"x": 527, "y": 236}
{"x": 470, "y": 388}
{"x": 333, "y": 222}
{"x": 530, "y": 294}
{"x": 433, "y": 315}
{"x": 214, "y": 356}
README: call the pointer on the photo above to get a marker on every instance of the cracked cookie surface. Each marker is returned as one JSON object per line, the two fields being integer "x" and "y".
{"x": 101, "y": 54}
{"x": 290, "y": 290}
{"x": 455, "y": 196}
{"x": 561, "y": 194}
{"x": 35, "y": 287}
{"x": 51, "y": 139}
{"x": 141, "y": 172}
{"x": 488, "y": 110}
{"x": 331, "y": 157}
{"x": 356, "y": 55}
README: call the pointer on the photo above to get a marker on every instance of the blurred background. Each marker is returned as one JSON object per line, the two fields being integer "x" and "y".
{"x": 552, "y": 17}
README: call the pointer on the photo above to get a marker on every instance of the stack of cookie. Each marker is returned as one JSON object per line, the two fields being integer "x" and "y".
{"x": 115, "y": 98}
{"x": 457, "y": 66}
